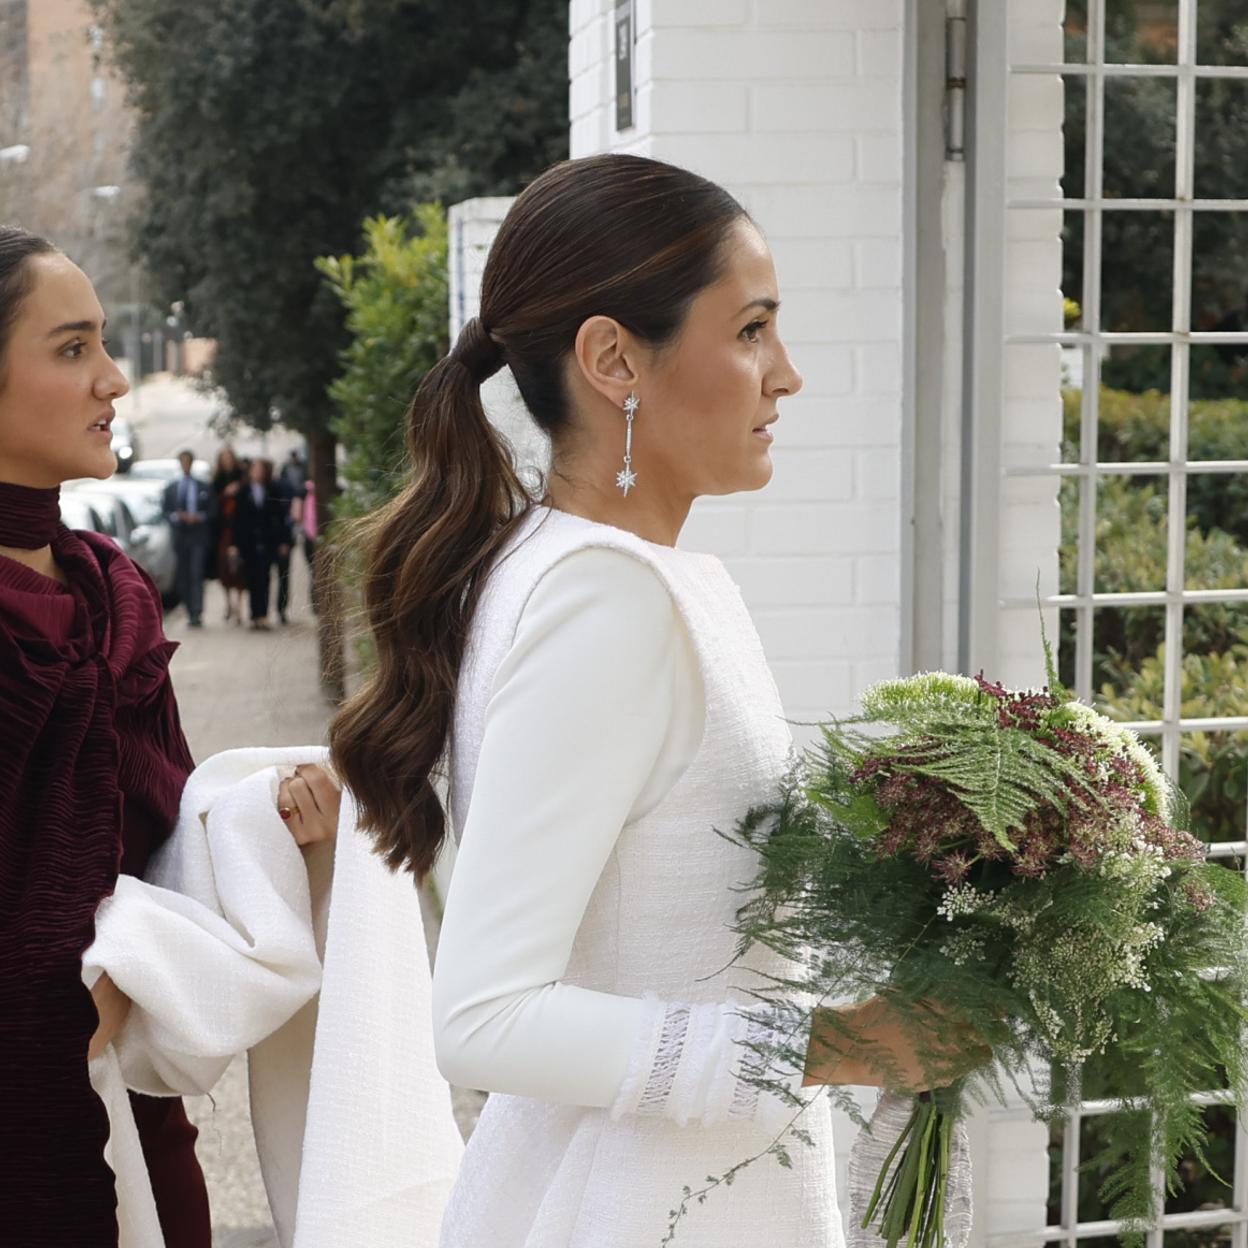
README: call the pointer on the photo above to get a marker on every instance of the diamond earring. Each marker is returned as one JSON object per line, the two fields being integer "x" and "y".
{"x": 626, "y": 478}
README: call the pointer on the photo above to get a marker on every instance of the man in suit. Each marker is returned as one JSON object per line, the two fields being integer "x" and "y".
{"x": 189, "y": 507}
{"x": 262, "y": 535}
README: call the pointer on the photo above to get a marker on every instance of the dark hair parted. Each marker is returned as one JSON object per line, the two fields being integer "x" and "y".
{"x": 617, "y": 236}
{"x": 17, "y": 246}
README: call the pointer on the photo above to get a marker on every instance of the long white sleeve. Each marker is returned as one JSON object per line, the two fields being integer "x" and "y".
{"x": 596, "y": 712}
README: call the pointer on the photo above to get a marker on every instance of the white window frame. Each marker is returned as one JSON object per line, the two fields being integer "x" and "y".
{"x": 986, "y": 340}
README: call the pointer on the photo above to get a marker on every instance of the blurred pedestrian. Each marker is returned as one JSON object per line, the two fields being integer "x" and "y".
{"x": 288, "y": 490}
{"x": 190, "y": 507}
{"x": 226, "y": 483}
{"x": 261, "y": 536}
{"x": 295, "y": 472}
{"x": 309, "y": 522}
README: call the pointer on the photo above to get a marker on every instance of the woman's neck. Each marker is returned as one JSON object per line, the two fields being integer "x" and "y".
{"x": 651, "y": 516}
{"x": 41, "y": 561}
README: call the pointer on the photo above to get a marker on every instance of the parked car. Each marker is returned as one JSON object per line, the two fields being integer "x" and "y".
{"x": 125, "y": 443}
{"x": 151, "y": 539}
{"x": 117, "y": 518}
{"x": 77, "y": 513}
{"x": 167, "y": 470}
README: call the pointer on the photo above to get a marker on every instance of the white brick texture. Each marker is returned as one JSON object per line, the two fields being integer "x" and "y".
{"x": 796, "y": 107}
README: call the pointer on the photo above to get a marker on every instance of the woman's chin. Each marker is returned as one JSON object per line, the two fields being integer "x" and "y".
{"x": 102, "y": 464}
{"x": 760, "y": 472}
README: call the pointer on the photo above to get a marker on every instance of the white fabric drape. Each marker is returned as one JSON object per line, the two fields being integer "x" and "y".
{"x": 317, "y": 966}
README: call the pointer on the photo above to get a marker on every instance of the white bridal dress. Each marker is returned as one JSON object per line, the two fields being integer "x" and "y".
{"x": 614, "y": 710}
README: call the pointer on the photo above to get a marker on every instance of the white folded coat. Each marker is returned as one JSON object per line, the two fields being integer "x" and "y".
{"x": 227, "y": 947}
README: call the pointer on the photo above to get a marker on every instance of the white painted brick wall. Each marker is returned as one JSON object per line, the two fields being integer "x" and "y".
{"x": 795, "y": 106}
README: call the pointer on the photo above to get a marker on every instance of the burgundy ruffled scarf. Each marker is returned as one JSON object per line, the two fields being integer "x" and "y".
{"x": 64, "y": 702}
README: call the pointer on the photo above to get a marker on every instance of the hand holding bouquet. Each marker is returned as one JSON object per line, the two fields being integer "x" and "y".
{"x": 1012, "y": 866}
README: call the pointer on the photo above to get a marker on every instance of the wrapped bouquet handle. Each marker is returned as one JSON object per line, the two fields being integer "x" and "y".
{"x": 867, "y": 1160}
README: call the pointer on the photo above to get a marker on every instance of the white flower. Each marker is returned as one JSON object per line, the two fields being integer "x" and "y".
{"x": 1123, "y": 740}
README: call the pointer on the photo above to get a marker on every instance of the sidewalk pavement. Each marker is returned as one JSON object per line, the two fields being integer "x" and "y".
{"x": 236, "y": 687}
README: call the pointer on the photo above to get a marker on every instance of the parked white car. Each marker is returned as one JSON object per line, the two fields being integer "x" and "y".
{"x": 151, "y": 539}
{"x": 77, "y": 513}
{"x": 167, "y": 470}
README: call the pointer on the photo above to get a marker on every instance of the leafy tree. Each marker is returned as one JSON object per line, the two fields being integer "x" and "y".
{"x": 269, "y": 129}
{"x": 1139, "y": 161}
{"x": 395, "y": 295}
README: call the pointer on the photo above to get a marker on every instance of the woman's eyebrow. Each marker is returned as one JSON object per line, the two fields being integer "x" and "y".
{"x": 81, "y": 327}
{"x": 768, "y": 305}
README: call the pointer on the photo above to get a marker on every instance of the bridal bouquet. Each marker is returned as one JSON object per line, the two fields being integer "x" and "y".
{"x": 1012, "y": 865}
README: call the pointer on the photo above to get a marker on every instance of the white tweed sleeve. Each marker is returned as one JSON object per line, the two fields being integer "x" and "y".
{"x": 596, "y": 711}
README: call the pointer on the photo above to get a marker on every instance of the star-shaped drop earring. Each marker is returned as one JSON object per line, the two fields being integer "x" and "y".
{"x": 626, "y": 478}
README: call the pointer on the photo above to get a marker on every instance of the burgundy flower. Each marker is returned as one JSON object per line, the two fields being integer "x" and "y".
{"x": 955, "y": 867}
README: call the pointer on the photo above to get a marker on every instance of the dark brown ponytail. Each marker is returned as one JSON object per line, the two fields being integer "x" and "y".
{"x": 618, "y": 236}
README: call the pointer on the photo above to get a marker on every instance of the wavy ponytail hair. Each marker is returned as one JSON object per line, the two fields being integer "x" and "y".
{"x": 618, "y": 236}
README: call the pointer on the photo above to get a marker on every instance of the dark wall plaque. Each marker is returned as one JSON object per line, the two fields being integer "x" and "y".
{"x": 624, "y": 41}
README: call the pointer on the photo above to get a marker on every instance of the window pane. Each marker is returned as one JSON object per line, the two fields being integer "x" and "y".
{"x": 1142, "y": 32}
{"x": 1131, "y": 534}
{"x": 1075, "y": 30}
{"x": 1139, "y": 138}
{"x": 1221, "y": 138}
{"x": 1202, "y": 1236}
{"x": 1213, "y": 772}
{"x": 1215, "y": 659}
{"x": 1222, "y": 32}
{"x": 1127, "y": 672}
{"x": 1066, "y": 646}
{"x": 1216, "y": 554}
{"x": 1220, "y": 272}
{"x": 1072, "y": 270}
{"x": 1093, "y": 1138}
{"x": 1075, "y": 100}
{"x": 1204, "y": 1181}
{"x": 1218, "y": 415}
{"x": 1137, "y": 271}
{"x": 1133, "y": 424}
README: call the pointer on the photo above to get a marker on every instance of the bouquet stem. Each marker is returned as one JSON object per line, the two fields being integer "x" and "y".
{"x": 910, "y": 1201}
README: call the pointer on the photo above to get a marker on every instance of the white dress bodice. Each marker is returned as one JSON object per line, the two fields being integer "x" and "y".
{"x": 616, "y": 1064}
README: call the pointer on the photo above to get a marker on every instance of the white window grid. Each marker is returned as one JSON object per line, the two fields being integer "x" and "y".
{"x": 1091, "y": 341}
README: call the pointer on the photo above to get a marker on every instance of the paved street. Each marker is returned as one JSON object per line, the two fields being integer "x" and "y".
{"x": 235, "y": 688}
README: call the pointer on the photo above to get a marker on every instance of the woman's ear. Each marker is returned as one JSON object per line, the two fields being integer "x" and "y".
{"x": 605, "y": 355}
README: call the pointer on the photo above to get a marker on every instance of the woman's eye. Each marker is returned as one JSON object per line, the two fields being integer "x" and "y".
{"x": 74, "y": 350}
{"x": 751, "y": 331}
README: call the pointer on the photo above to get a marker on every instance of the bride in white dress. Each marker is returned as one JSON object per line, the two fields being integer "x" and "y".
{"x": 605, "y": 706}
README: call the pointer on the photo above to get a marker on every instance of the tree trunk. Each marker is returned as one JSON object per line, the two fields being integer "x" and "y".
{"x": 322, "y": 448}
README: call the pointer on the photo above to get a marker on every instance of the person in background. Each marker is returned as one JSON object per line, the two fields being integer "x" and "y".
{"x": 190, "y": 507}
{"x": 295, "y": 472}
{"x": 288, "y": 490}
{"x": 261, "y": 536}
{"x": 226, "y": 483}
{"x": 304, "y": 516}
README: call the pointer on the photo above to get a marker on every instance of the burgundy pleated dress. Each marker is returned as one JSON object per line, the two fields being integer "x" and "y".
{"x": 92, "y": 765}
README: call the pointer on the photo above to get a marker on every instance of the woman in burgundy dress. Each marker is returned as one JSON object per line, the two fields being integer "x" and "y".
{"x": 227, "y": 480}
{"x": 92, "y": 765}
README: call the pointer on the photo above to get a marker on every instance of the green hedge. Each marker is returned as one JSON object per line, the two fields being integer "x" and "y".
{"x": 1136, "y": 427}
{"x": 396, "y": 299}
